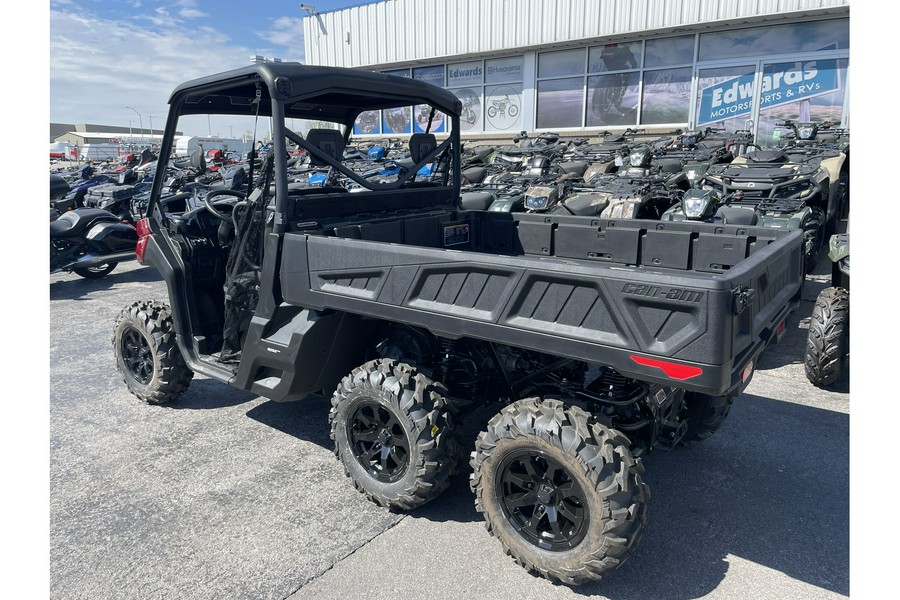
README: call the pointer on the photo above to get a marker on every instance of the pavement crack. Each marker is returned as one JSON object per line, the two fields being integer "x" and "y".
{"x": 346, "y": 556}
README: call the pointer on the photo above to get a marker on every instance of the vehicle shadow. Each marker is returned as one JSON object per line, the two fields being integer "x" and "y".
{"x": 306, "y": 420}
{"x": 208, "y": 394}
{"x": 771, "y": 487}
{"x": 73, "y": 287}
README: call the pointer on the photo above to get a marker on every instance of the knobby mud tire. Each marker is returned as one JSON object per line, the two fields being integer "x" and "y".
{"x": 595, "y": 458}
{"x": 828, "y": 339}
{"x": 412, "y": 408}
{"x": 147, "y": 355}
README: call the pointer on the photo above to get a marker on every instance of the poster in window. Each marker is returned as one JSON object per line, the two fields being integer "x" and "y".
{"x": 470, "y": 116}
{"x": 613, "y": 99}
{"x": 367, "y": 123}
{"x": 465, "y": 74}
{"x": 614, "y": 57}
{"x": 397, "y": 120}
{"x": 503, "y": 70}
{"x": 503, "y": 107}
{"x": 422, "y": 114}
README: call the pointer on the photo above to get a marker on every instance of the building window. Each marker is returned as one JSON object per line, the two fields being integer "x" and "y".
{"x": 666, "y": 96}
{"x": 790, "y": 38}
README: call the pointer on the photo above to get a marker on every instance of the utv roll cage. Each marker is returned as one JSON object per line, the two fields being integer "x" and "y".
{"x": 283, "y": 91}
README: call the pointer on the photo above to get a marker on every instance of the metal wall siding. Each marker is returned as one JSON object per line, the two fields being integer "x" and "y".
{"x": 403, "y": 31}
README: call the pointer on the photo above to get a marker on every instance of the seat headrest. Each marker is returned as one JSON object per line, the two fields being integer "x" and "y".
{"x": 329, "y": 141}
{"x": 421, "y": 145}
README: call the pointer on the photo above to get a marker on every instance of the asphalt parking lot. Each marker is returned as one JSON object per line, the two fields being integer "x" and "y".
{"x": 224, "y": 494}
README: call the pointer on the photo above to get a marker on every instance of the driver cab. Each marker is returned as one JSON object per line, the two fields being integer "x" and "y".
{"x": 221, "y": 244}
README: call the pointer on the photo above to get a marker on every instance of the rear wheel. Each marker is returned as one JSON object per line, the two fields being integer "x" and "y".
{"x": 561, "y": 492}
{"x": 392, "y": 431}
{"x": 96, "y": 272}
{"x": 828, "y": 340}
{"x": 147, "y": 354}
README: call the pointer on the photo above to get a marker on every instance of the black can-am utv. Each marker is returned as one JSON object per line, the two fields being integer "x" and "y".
{"x": 597, "y": 340}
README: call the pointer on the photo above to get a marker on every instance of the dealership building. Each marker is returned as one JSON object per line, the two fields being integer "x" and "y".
{"x": 587, "y": 66}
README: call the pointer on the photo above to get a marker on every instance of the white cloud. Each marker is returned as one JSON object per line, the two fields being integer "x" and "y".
{"x": 99, "y": 66}
{"x": 285, "y": 31}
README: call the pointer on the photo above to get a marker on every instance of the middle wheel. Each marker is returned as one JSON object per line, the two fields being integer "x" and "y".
{"x": 392, "y": 430}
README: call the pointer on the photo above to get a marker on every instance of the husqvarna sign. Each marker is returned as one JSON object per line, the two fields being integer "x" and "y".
{"x": 782, "y": 83}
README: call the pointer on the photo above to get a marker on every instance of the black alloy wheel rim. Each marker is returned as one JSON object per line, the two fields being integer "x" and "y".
{"x": 378, "y": 441}
{"x": 542, "y": 501}
{"x": 136, "y": 356}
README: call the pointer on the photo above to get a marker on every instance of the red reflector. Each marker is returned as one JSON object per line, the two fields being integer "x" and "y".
{"x": 672, "y": 370}
{"x": 747, "y": 372}
{"x": 141, "y": 248}
{"x": 143, "y": 228}
{"x": 781, "y": 328}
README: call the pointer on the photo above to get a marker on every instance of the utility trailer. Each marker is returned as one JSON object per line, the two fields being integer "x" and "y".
{"x": 591, "y": 341}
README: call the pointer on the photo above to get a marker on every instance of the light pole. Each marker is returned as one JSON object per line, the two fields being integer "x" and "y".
{"x": 140, "y": 119}
{"x": 130, "y": 135}
{"x": 151, "y": 128}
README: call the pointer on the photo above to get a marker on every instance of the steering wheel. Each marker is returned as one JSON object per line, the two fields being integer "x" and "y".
{"x": 211, "y": 206}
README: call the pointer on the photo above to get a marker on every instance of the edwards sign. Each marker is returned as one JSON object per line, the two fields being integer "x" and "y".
{"x": 782, "y": 83}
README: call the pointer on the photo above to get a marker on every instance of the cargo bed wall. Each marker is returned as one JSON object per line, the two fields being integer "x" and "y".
{"x": 594, "y": 300}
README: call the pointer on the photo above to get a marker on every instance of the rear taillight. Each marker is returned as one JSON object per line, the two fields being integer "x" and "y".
{"x": 143, "y": 231}
{"x": 143, "y": 228}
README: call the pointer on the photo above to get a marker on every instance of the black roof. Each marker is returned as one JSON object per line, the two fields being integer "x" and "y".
{"x": 311, "y": 92}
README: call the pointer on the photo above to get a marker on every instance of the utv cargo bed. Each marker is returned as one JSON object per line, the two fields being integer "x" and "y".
{"x": 682, "y": 304}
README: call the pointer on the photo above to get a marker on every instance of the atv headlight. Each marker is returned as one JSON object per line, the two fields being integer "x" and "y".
{"x": 536, "y": 202}
{"x": 640, "y": 157}
{"x": 844, "y": 265}
{"x": 539, "y": 197}
{"x": 806, "y": 132}
{"x": 698, "y": 203}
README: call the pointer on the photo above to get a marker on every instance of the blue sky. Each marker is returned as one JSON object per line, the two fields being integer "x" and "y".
{"x": 109, "y": 54}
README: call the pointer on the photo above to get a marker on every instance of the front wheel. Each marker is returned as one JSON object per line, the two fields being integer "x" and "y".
{"x": 561, "y": 492}
{"x": 828, "y": 339}
{"x": 147, "y": 354}
{"x": 96, "y": 272}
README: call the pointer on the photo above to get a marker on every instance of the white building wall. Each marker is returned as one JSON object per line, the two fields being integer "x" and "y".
{"x": 407, "y": 31}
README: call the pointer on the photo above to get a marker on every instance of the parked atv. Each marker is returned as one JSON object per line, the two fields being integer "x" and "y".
{"x": 786, "y": 192}
{"x": 828, "y": 147}
{"x": 828, "y": 341}
{"x": 637, "y": 190}
{"x": 593, "y": 342}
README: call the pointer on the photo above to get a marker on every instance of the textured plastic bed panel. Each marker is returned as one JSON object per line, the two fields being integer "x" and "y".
{"x": 593, "y": 309}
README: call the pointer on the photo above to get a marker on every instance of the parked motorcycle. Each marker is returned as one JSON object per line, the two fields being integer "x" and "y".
{"x": 90, "y": 242}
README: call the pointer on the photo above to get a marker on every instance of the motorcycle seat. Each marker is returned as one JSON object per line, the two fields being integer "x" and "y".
{"x": 74, "y": 222}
